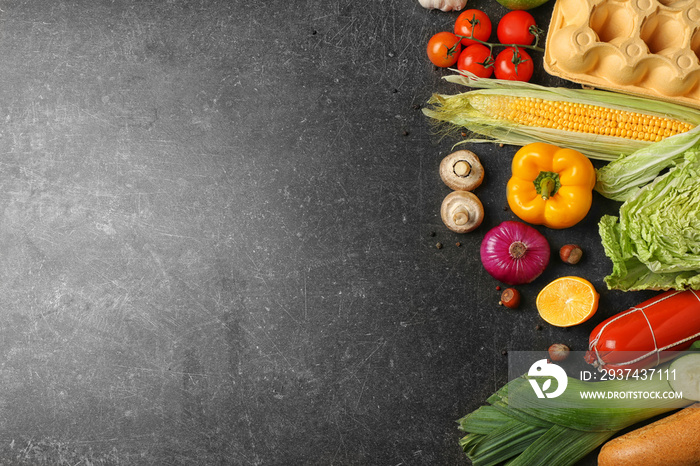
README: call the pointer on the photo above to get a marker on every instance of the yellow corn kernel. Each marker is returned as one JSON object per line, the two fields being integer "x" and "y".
{"x": 590, "y": 119}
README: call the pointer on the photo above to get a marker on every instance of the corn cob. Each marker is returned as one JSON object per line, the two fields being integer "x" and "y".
{"x": 603, "y": 125}
{"x": 580, "y": 118}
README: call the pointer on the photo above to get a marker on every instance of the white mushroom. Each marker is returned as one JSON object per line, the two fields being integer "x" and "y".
{"x": 462, "y": 171}
{"x": 444, "y": 5}
{"x": 462, "y": 211}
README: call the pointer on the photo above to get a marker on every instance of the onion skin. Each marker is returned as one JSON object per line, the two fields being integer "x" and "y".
{"x": 529, "y": 243}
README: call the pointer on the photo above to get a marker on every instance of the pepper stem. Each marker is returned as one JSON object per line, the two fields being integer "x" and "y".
{"x": 547, "y": 184}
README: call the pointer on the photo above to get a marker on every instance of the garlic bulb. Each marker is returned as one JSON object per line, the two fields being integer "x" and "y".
{"x": 444, "y": 5}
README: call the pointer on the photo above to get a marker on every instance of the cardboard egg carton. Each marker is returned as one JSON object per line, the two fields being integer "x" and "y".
{"x": 643, "y": 47}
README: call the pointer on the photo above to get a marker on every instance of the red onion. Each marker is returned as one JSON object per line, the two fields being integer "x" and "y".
{"x": 514, "y": 253}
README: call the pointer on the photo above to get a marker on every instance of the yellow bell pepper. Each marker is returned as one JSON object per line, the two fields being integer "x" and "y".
{"x": 550, "y": 186}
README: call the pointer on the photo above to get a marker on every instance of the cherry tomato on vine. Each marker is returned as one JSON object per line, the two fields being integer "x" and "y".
{"x": 514, "y": 28}
{"x": 476, "y": 59}
{"x": 514, "y": 65}
{"x": 443, "y": 49}
{"x": 474, "y": 22}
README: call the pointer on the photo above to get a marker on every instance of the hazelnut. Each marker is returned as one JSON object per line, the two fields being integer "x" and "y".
{"x": 510, "y": 298}
{"x": 558, "y": 352}
{"x": 570, "y": 253}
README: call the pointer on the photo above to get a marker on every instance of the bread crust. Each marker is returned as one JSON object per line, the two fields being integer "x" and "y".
{"x": 671, "y": 441}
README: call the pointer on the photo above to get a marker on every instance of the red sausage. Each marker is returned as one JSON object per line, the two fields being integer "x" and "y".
{"x": 646, "y": 335}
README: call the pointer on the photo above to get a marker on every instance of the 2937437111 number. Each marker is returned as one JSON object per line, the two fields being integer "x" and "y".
{"x": 631, "y": 374}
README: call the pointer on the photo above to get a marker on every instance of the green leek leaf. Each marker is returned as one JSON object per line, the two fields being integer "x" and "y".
{"x": 505, "y": 442}
{"x": 560, "y": 446}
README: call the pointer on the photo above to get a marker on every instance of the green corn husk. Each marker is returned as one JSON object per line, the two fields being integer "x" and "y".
{"x": 461, "y": 111}
{"x": 518, "y": 429}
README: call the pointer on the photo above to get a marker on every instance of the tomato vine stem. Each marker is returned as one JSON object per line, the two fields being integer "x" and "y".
{"x": 491, "y": 45}
{"x": 534, "y": 30}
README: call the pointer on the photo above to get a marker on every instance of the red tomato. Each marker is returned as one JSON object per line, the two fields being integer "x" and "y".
{"x": 514, "y": 28}
{"x": 514, "y": 65}
{"x": 443, "y": 49}
{"x": 474, "y": 22}
{"x": 476, "y": 59}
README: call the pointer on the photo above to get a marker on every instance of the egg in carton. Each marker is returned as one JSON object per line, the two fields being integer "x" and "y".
{"x": 642, "y": 47}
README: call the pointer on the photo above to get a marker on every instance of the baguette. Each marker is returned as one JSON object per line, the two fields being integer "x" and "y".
{"x": 671, "y": 441}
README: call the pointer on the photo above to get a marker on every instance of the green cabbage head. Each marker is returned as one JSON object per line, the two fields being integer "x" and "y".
{"x": 655, "y": 242}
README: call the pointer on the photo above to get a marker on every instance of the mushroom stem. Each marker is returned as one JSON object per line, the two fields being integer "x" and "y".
{"x": 462, "y": 168}
{"x": 460, "y": 216}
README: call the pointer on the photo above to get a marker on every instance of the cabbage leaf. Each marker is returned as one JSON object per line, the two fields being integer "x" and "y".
{"x": 621, "y": 179}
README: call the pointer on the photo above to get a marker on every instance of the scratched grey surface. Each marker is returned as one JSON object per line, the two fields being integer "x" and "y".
{"x": 218, "y": 236}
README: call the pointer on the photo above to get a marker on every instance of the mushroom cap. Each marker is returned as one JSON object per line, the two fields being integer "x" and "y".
{"x": 462, "y": 211}
{"x": 462, "y": 170}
